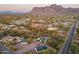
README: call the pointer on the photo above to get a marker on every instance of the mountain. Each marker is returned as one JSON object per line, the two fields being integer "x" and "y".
{"x": 53, "y": 10}
{"x": 9, "y": 12}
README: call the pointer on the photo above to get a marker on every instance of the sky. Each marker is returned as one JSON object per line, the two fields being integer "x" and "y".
{"x": 28, "y": 7}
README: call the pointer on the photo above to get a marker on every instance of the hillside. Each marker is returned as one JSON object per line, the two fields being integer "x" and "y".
{"x": 53, "y": 10}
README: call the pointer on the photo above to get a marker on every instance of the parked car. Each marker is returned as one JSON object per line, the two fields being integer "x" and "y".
{"x": 38, "y": 48}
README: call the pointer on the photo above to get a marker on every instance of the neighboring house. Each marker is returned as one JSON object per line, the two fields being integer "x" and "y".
{"x": 12, "y": 26}
{"x": 38, "y": 26}
{"x": 19, "y": 22}
{"x": 52, "y": 29}
{"x": 42, "y": 39}
{"x": 33, "y": 47}
{"x": 23, "y": 40}
{"x": 5, "y": 27}
{"x": 12, "y": 38}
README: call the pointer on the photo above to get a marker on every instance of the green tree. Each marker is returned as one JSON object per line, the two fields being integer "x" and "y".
{"x": 48, "y": 51}
{"x": 74, "y": 48}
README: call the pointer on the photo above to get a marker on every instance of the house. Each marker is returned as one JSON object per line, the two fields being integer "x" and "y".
{"x": 11, "y": 26}
{"x": 5, "y": 27}
{"x": 38, "y": 26}
{"x": 42, "y": 39}
{"x": 23, "y": 40}
{"x": 50, "y": 25}
{"x": 61, "y": 33}
{"x": 19, "y": 22}
{"x": 12, "y": 38}
{"x": 33, "y": 47}
{"x": 52, "y": 29}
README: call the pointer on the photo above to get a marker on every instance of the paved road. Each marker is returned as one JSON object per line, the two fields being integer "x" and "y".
{"x": 66, "y": 47}
{"x": 25, "y": 48}
{"x": 5, "y": 49}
